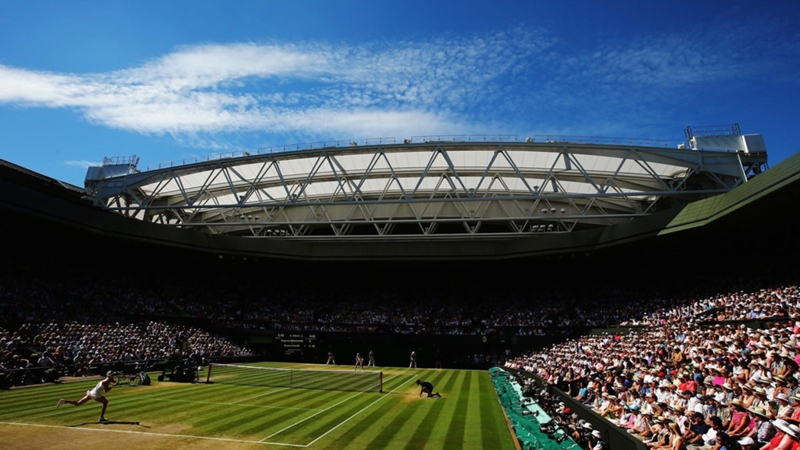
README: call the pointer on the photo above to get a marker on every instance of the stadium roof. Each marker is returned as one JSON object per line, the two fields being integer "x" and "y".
{"x": 424, "y": 189}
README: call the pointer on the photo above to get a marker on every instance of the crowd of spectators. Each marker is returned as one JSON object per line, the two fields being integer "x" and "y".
{"x": 74, "y": 349}
{"x": 741, "y": 305}
{"x": 681, "y": 378}
{"x": 38, "y": 293}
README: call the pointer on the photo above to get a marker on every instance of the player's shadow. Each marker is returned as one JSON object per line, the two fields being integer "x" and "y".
{"x": 109, "y": 422}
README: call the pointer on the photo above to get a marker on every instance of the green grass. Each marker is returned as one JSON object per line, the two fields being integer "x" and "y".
{"x": 469, "y": 416}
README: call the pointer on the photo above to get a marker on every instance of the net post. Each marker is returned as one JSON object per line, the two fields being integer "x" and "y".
{"x": 380, "y": 383}
{"x": 208, "y": 378}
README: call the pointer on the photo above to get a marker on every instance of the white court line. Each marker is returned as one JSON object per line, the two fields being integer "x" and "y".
{"x": 316, "y": 414}
{"x": 144, "y": 433}
{"x": 359, "y": 412}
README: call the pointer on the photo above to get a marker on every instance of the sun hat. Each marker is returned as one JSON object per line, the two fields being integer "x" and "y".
{"x": 782, "y": 425}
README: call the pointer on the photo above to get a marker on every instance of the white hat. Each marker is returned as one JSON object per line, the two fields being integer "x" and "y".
{"x": 747, "y": 441}
{"x": 782, "y": 425}
{"x": 596, "y": 433}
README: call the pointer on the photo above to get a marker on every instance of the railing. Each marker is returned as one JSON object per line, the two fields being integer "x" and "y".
{"x": 260, "y": 151}
{"x": 380, "y": 140}
{"x": 433, "y": 138}
{"x": 558, "y": 139}
{"x": 196, "y": 159}
{"x": 460, "y": 138}
{"x": 121, "y": 160}
{"x": 307, "y": 146}
{"x": 713, "y": 130}
{"x": 338, "y": 143}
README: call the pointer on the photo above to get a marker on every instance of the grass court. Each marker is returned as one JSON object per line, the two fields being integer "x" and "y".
{"x": 182, "y": 415}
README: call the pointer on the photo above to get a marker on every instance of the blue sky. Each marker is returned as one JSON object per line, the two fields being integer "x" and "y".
{"x": 170, "y": 80}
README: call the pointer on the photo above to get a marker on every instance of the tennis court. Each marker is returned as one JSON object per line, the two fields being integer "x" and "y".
{"x": 319, "y": 412}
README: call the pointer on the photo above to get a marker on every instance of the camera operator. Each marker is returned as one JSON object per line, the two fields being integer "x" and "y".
{"x": 596, "y": 441}
{"x": 581, "y": 433}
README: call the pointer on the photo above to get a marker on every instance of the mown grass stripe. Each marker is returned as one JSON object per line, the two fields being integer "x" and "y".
{"x": 414, "y": 410}
{"x": 352, "y": 416}
{"x": 47, "y": 411}
{"x": 292, "y": 397}
{"x": 146, "y": 406}
{"x": 148, "y": 433}
{"x": 458, "y": 420}
{"x": 373, "y": 419}
{"x": 34, "y": 395}
{"x": 347, "y": 399}
{"x": 225, "y": 418}
{"x": 438, "y": 435}
{"x": 417, "y": 438}
{"x": 493, "y": 422}
{"x": 332, "y": 418}
{"x": 473, "y": 433}
{"x": 391, "y": 430}
{"x": 327, "y": 416}
{"x": 144, "y": 403}
{"x": 245, "y": 405}
{"x": 319, "y": 404}
{"x": 254, "y": 423}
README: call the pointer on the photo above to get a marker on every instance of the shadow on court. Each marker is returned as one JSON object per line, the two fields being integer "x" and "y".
{"x": 109, "y": 422}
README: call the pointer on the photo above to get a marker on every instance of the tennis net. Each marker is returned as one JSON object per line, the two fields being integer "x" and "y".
{"x": 333, "y": 380}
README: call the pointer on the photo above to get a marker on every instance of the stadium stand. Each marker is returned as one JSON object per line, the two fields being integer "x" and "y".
{"x": 733, "y": 356}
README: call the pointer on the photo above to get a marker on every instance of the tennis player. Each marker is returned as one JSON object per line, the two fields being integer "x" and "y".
{"x": 359, "y": 362}
{"x": 95, "y": 394}
{"x": 426, "y": 387}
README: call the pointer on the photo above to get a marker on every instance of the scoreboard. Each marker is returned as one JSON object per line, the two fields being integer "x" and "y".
{"x": 296, "y": 344}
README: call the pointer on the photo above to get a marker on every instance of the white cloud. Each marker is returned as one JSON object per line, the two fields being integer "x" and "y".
{"x": 282, "y": 88}
{"x": 83, "y": 164}
{"x": 447, "y": 85}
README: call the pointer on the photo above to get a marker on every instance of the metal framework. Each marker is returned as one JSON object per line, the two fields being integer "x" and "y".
{"x": 425, "y": 189}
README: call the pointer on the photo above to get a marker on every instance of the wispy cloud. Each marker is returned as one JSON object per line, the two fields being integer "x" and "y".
{"x": 83, "y": 164}
{"x": 446, "y": 85}
{"x": 284, "y": 88}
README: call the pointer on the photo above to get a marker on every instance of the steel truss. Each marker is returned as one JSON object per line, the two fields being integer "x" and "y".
{"x": 421, "y": 189}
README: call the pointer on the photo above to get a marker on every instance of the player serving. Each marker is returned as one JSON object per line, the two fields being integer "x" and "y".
{"x": 426, "y": 387}
{"x": 95, "y": 394}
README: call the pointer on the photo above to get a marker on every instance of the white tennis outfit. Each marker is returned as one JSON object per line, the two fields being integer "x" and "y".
{"x": 98, "y": 390}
